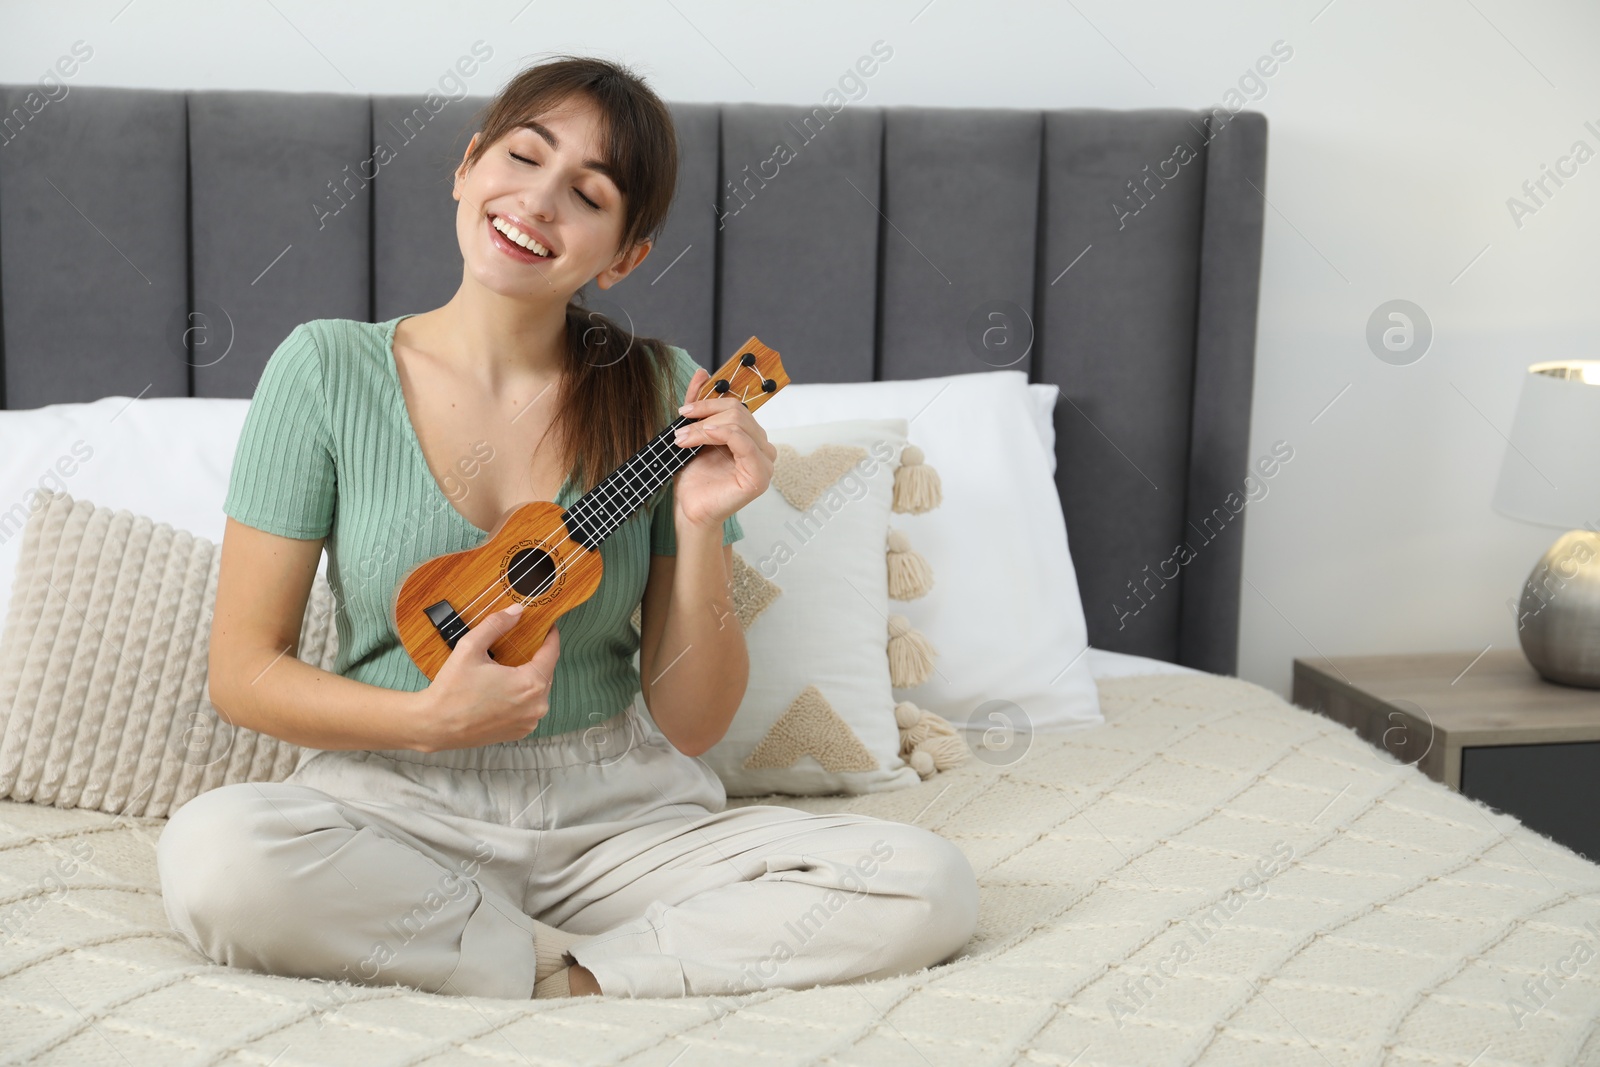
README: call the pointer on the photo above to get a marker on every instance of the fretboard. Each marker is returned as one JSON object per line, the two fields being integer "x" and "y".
{"x": 601, "y": 511}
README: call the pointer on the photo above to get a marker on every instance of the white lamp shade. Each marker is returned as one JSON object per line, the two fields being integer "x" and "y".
{"x": 1550, "y": 474}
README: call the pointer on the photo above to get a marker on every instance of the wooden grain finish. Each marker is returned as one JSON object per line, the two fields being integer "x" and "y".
{"x": 474, "y": 581}
{"x": 1426, "y": 707}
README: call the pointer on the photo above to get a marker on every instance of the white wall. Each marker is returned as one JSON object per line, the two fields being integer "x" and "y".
{"x": 1397, "y": 134}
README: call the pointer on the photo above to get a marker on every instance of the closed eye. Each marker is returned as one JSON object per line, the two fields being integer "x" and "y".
{"x": 585, "y": 199}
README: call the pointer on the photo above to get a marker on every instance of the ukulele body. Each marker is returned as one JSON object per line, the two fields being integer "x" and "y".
{"x": 529, "y": 558}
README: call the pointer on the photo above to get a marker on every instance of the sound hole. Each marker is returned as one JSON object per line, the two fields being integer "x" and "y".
{"x": 531, "y": 572}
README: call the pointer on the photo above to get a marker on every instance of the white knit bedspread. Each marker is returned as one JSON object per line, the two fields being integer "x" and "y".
{"x": 1393, "y": 922}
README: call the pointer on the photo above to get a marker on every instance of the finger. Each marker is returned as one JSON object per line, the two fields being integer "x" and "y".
{"x": 739, "y": 417}
{"x": 696, "y": 386}
{"x": 480, "y": 637}
{"x": 759, "y": 436}
{"x": 711, "y": 405}
{"x": 732, "y": 435}
{"x": 732, "y": 413}
{"x": 542, "y": 664}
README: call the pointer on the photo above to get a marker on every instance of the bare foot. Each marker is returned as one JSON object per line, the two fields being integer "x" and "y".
{"x": 581, "y": 981}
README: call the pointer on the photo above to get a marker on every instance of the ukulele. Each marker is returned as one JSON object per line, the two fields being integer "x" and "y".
{"x": 546, "y": 556}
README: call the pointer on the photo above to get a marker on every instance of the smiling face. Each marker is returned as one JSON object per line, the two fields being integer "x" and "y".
{"x": 555, "y": 194}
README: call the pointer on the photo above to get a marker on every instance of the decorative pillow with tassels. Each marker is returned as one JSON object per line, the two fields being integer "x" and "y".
{"x": 814, "y": 581}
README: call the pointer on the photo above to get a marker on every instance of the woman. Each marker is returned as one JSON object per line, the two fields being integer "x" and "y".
{"x": 519, "y": 831}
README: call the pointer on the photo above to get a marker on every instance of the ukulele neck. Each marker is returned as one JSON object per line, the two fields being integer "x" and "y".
{"x": 752, "y": 376}
{"x": 601, "y": 511}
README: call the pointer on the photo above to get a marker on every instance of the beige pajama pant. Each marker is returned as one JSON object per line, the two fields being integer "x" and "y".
{"x": 422, "y": 869}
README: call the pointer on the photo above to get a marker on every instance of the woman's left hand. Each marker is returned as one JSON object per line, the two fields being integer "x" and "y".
{"x": 734, "y": 464}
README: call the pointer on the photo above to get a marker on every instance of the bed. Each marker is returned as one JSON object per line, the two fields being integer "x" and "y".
{"x": 1397, "y": 922}
{"x": 1213, "y": 876}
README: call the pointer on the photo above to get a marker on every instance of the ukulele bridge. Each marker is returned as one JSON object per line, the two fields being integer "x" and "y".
{"x": 449, "y": 624}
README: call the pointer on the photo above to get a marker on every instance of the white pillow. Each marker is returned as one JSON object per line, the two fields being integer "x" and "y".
{"x": 1044, "y": 413}
{"x": 166, "y": 458}
{"x": 1104, "y": 663}
{"x": 1004, "y": 612}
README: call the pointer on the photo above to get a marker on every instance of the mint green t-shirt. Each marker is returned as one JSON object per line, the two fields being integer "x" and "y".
{"x": 328, "y": 450}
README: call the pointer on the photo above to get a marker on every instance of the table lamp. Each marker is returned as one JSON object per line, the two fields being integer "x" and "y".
{"x": 1550, "y": 476}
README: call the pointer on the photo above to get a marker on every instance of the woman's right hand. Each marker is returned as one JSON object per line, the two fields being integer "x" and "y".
{"x": 475, "y": 701}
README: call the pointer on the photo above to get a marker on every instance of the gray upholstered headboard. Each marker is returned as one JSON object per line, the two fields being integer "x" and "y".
{"x": 1127, "y": 242}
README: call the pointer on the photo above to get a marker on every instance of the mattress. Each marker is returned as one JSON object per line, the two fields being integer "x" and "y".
{"x": 1212, "y": 877}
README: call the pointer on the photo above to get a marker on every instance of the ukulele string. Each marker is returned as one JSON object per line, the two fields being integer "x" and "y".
{"x": 655, "y": 450}
{"x": 507, "y": 587}
{"x": 608, "y": 494}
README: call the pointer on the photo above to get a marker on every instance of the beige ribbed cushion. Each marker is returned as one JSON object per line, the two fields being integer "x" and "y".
{"x": 103, "y": 666}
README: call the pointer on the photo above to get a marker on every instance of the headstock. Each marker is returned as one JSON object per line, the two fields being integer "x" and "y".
{"x": 754, "y": 374}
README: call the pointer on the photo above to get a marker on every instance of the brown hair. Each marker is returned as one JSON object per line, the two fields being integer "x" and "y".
{"x": 619, "y": 393}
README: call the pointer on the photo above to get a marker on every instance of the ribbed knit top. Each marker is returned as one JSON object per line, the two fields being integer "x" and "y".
{"x": 328, "y": 450}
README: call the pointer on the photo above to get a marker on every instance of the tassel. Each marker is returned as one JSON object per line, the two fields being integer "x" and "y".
{"x": 909, "y": 573}
{"x": 928, "y": 728}
{"x": 910, "y": 655}
{"x": 906, "y": 715}
{"x": 916, "y": 485}
{"x": 928, "y": 742}
{"x": 946, "y": 752}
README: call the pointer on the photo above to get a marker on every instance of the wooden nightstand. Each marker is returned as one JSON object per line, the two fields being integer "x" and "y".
{"x": 1490, "y": 728}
